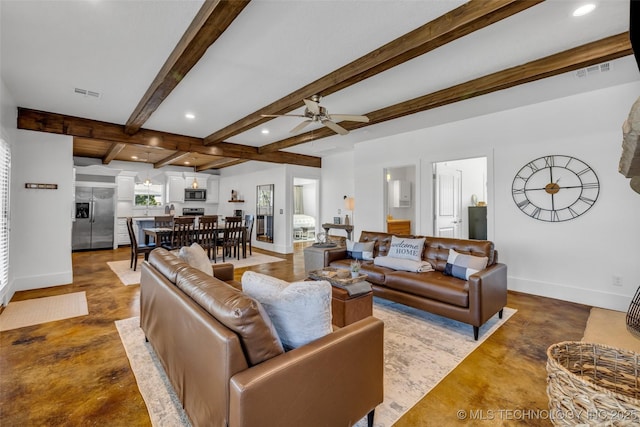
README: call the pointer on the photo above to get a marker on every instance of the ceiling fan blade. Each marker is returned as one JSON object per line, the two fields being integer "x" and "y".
{"x": 350, "y": 118}
{"x": 282, "y": 115}
{"x": 335, "y": 127}
{"x": 312, "y": 106}
{"x": 300, "y": 126}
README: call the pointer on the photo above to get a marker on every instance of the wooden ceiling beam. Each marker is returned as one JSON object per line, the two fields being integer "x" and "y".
{"x": 170, "y": 159}
{"x": 453, "y": 25}
{"x": 213, "y": 18}
{"x": 112, "y": 152}
{"x": 42, "y": 121}
{"x": 220, "y": 163}
{"x": 607, "y": 49}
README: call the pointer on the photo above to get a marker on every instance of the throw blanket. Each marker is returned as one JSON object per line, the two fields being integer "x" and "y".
{"x": 403, "y": 264}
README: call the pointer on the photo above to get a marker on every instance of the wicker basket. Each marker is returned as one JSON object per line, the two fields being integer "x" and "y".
{"x": 593, "y": 384}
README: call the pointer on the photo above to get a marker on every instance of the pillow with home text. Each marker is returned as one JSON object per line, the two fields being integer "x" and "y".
{"x": 402, "y": 247}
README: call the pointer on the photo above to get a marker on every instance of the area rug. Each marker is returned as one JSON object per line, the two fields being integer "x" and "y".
{"x": 129, "y": 277}
{"x": 35, "y": 311}
{"x": 609, "y": 327}
{"x": 420, "y": 350}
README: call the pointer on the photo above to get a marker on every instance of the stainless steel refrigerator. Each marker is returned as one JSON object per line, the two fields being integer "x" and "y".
{"x": 93, "y": 218}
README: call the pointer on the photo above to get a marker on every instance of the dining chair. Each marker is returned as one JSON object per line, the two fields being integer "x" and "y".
{"x": 208, "y": 233}
{"x": 137, "y": 249}
{"x": 248, "y": 228}
{"x": 163, "y": 221}
{"x": 232, "y": 239}
{"x": 183, "y": 233}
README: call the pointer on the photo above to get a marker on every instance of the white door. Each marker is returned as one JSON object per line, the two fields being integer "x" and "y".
{"x": 447, "y": 201}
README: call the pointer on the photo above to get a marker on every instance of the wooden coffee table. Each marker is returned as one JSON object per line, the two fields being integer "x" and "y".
{"x": 347, "y": 309}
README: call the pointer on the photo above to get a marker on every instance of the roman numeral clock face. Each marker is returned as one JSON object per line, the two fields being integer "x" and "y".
{"x": 555, "y": 188}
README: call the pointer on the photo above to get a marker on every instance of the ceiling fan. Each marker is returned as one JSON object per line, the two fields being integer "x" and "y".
{"x": 314, "y": 112}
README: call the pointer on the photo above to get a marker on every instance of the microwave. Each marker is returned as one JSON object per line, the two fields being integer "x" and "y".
{"x": 191, "y": 194}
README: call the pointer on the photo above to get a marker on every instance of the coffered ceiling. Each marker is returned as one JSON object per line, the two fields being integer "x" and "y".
{"x": 120, "y": 76}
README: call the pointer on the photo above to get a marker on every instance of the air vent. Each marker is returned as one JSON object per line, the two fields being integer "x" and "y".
{"x": 85, "y": 92}
{"x": 594, "y": 69}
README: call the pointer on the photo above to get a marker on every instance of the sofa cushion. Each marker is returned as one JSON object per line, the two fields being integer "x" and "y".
{"x": 406, "y": 248}
{"x": 462, "y": 266}
{"x": 300, "y": 311}
{"x": 359, "y": 250}
{"x": 237, "y": 311}
{"x": 196, "y": 257}
{"x": 436, "y": 250}
{"x": 433, "y": 285}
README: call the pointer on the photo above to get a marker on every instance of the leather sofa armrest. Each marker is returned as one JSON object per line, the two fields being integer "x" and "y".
{"x": 223, "y": 271}
{"x": 335, "y": 380}
{"x": 331, "y": 255}
{"x": 488, "y": 292}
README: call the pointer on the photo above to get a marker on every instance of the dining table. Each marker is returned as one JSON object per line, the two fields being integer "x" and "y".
{"x": 159, "y": 233}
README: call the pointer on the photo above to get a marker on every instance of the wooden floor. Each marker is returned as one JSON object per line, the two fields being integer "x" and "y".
{"x": 75, "y": 372}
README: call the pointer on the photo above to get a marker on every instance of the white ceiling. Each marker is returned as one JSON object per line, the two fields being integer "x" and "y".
{"x": 274, "y": 47}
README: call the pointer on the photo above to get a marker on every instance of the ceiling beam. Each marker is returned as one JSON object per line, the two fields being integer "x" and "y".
{"x": 607, "y": 49}
{"x": 220, "y": 163}
{"x": 42, "y": 121}
{"x": 213, "y": 18}
{"x": 112, "y": 152}
{"x": 457, "y": 23}
{"x": 170, "y": 159}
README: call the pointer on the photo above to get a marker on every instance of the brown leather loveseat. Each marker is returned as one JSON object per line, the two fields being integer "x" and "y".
{"x": 472, "y": 301}
{"x": 226, "y": 364}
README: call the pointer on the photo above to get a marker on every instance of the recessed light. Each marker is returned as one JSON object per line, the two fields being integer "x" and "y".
{"x": 265, "y": 131}
{"x": 187, "y": 163}
{"x": 134, "y": 157}
{"x": 190, "y": 116}
{"x": 584, "y": 9}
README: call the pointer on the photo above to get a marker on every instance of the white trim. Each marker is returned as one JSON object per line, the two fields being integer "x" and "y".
{"x": 26, "y": 283}
{"x": 574, "y": 294}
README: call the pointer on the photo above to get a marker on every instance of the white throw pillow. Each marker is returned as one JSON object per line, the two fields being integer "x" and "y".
{"x": 196, "y": 257}
{"x": 300, "y": 311}
{"x": 401, "y": 247}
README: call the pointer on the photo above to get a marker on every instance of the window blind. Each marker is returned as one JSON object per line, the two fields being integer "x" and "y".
{"x": 5, "y": 174}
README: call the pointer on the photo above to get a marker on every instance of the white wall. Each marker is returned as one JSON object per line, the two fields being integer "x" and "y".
{"x": 244, "y": 178}
{"x": 40, "y": 247}
{"x": 573, "y": 260}
{"x": 40, "y": 236}
{"x": 337, "y": 182}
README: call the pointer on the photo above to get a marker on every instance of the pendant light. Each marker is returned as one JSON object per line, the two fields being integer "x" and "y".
{"x": 147, "y": 181}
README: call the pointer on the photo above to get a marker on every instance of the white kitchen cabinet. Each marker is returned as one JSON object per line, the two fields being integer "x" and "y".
{"x": 401, "y": 192}
{"x": 213, "y": 189}
{"x": 175, "y": 189}
{"x": 123, "y": 234}
{"x": 126, "y": 186}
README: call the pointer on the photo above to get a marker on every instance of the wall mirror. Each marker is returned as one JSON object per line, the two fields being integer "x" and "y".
{"x": 264, "y": 213}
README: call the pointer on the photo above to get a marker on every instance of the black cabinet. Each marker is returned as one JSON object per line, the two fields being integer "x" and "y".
{"x": 478, "y": 222}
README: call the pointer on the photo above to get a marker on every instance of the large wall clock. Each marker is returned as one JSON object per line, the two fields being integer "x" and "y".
{"x": 555, "y": 188}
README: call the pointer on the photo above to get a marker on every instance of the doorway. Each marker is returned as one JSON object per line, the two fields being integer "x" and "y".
{"x": 459, "y": 198}
{"x": 305, "y": 210}
{"x": 400, "y": 199}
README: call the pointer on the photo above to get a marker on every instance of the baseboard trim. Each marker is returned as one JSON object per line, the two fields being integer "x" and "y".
{"x": 27, "y": 283}
{"x": 595, "y": 298}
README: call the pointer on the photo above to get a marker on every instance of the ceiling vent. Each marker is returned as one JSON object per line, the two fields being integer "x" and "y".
{"x": 594, "y": 69}
{"x": 85, "y": 92}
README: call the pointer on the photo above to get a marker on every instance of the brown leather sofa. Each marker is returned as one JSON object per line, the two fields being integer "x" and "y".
{"x": 472, "y": 301}
{"x": 226, "y": 364}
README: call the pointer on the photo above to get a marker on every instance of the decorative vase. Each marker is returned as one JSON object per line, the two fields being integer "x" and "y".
{"x": 346, "y": 220}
